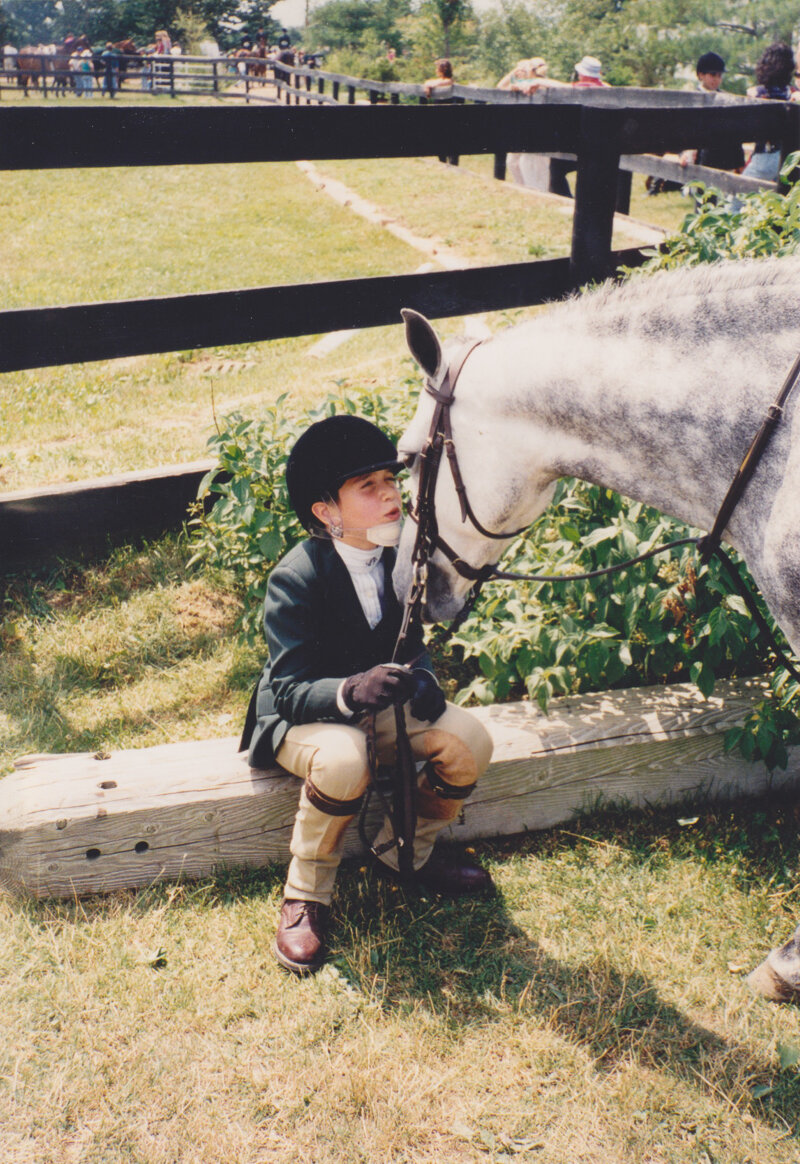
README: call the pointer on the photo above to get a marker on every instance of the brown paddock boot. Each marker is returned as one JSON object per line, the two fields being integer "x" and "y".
{"x": 299, "y": 943}
{"x": 444, "y": 875}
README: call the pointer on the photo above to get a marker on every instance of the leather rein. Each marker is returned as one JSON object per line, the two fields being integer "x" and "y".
{"x": 440, "y": 443}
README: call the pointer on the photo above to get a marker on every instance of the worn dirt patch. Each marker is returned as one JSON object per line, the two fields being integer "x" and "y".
{"x": 198, "y": 608}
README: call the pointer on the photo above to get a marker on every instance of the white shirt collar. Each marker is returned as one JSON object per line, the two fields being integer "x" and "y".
{"x": 356, "y": 560}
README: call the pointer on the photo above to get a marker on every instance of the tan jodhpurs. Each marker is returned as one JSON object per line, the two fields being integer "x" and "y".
{"x": 331, "y": 759}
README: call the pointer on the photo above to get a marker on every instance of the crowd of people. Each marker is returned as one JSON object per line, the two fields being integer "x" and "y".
{"x": 776, "y": 71}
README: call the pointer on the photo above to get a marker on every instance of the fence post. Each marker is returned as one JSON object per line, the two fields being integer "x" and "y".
{"x": 43, "y": 68}
{"x": 595, "y": 193}
{"x": 351, "y": 94}
{"x": 215, "y": 82}
{"x": 624, "y": 184}
{"x": 395, "y": 99}
{"x": 500, "y": 167}
{"x": 171, "y": 67}
{"x": 336, "y": 90}
{"x": 320, "y": 85}
{"x": 373, "y": 97}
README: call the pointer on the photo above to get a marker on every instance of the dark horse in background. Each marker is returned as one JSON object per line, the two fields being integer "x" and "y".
{"x": 43, "y": 61}
{"x": 35, "y": 62}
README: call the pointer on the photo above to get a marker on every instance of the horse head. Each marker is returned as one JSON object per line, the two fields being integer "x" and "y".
{"x": 501, "y": 492}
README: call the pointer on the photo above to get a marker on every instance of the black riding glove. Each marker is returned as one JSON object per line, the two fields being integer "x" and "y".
{"x": 427, "y": 699}
{"x": 375, "y": 689}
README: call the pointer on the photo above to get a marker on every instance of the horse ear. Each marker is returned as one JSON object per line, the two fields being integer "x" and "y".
{"x": 422, "y": 341}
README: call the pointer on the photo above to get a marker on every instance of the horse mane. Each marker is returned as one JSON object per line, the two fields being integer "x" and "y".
{"x": 705, "y": 293}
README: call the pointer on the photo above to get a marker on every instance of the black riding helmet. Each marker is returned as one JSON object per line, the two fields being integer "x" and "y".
{"x": 328, "y": 453}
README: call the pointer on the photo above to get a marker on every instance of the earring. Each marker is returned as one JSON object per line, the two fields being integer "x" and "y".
{"x": 336, "y": 530}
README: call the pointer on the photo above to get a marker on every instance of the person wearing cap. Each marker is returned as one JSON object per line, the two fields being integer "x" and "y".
{"x": 331, "y": 620}
{"x": 725, "y": 155}
{"x": 589, "y": 74}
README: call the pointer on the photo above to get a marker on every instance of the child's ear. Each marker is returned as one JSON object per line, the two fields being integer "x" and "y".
{"x": 322, "y": 513}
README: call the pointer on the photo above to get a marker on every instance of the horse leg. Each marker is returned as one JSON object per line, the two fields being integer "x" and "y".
{"x": 778, "y": 976}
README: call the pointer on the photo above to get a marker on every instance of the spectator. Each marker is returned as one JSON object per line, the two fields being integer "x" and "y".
{"x": 163, "y": 48}
{"x": 774, "y": 73}
{"x": 110, "y": 70}
{"x": 726, "y": 155}
{"x": 589, "y": 74}
{"x": 528, "y": 76}
{"x": 443, "y": 79}
{"x": 86, "y": 73}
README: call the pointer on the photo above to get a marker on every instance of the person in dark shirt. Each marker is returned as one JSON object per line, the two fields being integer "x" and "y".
{"x": 331, "y": 620}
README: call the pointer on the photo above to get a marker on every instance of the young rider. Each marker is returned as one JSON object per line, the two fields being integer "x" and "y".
{"x": 331, "y": 620}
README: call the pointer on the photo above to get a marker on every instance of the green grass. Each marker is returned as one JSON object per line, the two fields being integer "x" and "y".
{"x": 594, "y": 1011}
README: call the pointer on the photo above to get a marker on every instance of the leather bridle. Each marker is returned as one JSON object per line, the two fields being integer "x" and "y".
{"x": 428, "y": 539}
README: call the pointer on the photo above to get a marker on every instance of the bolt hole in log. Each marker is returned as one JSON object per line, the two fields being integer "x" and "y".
{"x": 92, "y": 854}
{"x": 141, "y": 847}
{"x": 108, "y": 784}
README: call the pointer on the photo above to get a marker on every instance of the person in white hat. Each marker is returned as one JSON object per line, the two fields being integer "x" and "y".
{"x": 590, "y": 74}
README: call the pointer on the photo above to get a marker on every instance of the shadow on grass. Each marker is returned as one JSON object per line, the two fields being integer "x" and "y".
{"x": 470, "y": 963}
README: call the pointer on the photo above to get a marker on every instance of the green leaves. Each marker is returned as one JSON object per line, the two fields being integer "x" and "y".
{"x": 665, "y": 619}
{"x": 765, "y": 222}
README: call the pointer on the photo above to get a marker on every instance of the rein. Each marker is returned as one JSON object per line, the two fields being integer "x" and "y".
{"x": 428, "y": 539}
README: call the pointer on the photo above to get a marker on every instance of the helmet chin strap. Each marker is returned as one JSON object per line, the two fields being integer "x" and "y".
{"x": 385, "y": 534}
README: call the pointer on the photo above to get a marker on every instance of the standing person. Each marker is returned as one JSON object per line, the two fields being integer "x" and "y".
{"x": 528, "y": 76}
{"x": 86, "y": 74}
{"x": 442, "y": 83}
{"x": 110, "y": 70}
{"x": 163, "y": 48}
{"x": 588, "y": 75}
{"x": 774, "y": 73}
{"x": 725, "y": 155}
{"x": 75, "y": 73}
{"x": 331, "y": 620}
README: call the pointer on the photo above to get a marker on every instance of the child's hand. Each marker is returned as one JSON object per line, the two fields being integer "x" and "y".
{"x": 427, "y": 700}
{"x": 375, "y": 689}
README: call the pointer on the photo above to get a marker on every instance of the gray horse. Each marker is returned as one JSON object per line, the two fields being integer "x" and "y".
{"x": 654, "y": 389}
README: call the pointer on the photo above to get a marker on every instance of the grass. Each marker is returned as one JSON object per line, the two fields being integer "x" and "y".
{"x": 594, "y": 1011}
{"x": 91, "y": 235}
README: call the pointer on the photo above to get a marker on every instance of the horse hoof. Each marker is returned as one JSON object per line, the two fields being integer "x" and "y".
{"x": 765, "y": 982}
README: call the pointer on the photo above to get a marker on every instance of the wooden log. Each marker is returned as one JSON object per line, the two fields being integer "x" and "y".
{"x": 38, "y": 526}
{"x": 78, "y": 824}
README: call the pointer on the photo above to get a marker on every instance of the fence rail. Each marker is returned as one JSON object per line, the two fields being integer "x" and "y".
{"x": 35, "y": 136}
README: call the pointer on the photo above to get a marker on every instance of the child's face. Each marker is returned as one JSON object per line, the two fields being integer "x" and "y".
{"x": 372, "y": 499}
{"x": 710, "y": 81}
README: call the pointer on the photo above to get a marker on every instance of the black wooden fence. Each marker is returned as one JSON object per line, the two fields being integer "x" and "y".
{"x": 598, "y": 134}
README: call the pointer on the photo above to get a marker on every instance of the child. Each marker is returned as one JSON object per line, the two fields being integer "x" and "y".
{"x": 331, "y": 620}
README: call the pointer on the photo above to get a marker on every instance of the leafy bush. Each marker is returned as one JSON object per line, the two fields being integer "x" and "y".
{"x": 755, "y": 225}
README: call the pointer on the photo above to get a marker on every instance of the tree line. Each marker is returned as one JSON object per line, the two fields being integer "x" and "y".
{"x": 30, "y": 22}
{"x": 640, "y": 42}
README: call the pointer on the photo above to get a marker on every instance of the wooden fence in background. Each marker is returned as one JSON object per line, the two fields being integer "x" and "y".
{"x": 34, "y": 526}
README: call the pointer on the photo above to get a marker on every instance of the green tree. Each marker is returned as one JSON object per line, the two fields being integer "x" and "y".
{"x": 358, "y": 24}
